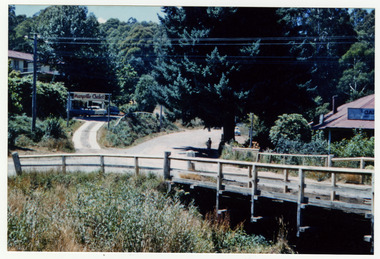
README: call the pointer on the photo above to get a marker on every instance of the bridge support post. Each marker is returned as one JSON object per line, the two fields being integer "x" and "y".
{"x": 219, "y": 187}
{"x": 333, "y": 185}
{"x": 167, "y": 165}
{"x": 16, "y": 162}
{"x": 253, "y": 184}
{"x": 301, "y": 199}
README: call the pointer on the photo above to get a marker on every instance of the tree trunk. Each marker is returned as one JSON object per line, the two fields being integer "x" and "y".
{"x": 229, "y": 128}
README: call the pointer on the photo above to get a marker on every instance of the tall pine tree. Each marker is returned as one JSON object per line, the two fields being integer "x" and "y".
{"x": 221, "y": 63}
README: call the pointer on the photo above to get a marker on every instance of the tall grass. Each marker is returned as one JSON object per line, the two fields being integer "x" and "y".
{"x": 113, "y": 213}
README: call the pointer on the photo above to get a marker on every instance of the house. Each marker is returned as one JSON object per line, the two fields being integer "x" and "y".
{"x": 340, "y": 122}
{"x": 23, "y": 62}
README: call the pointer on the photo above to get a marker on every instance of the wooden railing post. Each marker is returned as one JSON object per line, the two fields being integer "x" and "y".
{"x": 63, "y": 164}
{"x": 333, "y": 185}
{"x": 301, "y": 198}
{"x": 219, "y": 186}
{"x": 102, "y": 164}
{"x": 16, "y": 162}
{"x": 167, "y": 165}
{"x": 286, "y": 179}
{"x": 254, "y": 192}
{"x": 250, "y": 176}
{"x": 362, "y": 165}
{"x": 329, "y": 160}
{"x": 137, "y": 169}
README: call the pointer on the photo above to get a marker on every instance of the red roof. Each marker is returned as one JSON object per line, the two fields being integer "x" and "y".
{"x": 20, "y": 55}
{"x": 340, "y": 118}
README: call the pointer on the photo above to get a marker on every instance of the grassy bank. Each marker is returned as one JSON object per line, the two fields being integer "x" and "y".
{"x": 133, "y": 128}
{"x": 50, "y": 135}
{"x": 114, "y": 213}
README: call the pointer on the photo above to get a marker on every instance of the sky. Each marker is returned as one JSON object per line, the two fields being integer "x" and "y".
{"x": 103, "y": 13}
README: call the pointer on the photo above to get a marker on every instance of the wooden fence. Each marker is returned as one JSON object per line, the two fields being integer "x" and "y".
{"x": 254, "y": 179}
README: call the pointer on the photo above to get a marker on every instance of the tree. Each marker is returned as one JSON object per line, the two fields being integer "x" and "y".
{"x": 212, "y": 68}
{"x": 144, "y": 94}
{"x": 18, "y": 27}
{"x": 358, "y": 62}
{"x": 74, "y": 45}
{"x": 319, "y": 37}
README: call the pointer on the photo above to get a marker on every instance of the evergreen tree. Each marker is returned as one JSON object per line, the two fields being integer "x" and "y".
{"x": 221, "y": 63}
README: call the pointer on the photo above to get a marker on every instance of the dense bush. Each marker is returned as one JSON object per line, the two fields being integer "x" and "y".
{"x": 49, "y": 133}
{"x": 291, "y": 127}
{"x": 317, "y": 146}
{"x": 115, "y": 213}
{"x": 51, "y": 97}
{"x": 135, "y": 126}
{"x": 359, "y": 145}
{"x": 21, "y": 125}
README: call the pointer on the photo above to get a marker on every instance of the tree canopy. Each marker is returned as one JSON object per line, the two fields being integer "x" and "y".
{"x": 214, "y": 63}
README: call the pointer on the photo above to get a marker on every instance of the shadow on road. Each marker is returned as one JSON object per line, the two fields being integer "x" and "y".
{"x": 201, "y": 152}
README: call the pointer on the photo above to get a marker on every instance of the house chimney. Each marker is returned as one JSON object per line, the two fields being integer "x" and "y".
{"x": 321, "y": 118}
{"x": 334, "y": 104}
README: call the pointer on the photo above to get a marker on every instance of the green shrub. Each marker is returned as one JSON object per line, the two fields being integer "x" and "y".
{"x": 53, "y": 128}
{"x": 49, "y": 133}
{"x": 291, "y": 127}
{"x": 21, "y": 125}
{"x": 136, "y": 126}
{"x": 359, "y": 145}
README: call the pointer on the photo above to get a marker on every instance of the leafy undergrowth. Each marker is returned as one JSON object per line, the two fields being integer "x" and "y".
{"x": 114, "y": 213}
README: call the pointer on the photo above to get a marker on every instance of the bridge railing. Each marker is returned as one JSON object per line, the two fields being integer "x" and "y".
{"x": 248, "y": 178}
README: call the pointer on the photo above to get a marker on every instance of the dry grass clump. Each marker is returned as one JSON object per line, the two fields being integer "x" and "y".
{"x": 112, "y": 213}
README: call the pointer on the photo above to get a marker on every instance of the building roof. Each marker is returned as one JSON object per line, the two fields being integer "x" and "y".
{"x": 20, "y": 55}
{"x": 339, "y": 120}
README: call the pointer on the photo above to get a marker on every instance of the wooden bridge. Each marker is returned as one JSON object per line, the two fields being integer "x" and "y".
{"x": 293, "y": 183}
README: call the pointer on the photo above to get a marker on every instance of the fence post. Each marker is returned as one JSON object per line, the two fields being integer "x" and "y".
{"x": 329, "y": 160}
{"x": 250, "y": 176}
{"x": 167, "y": 165}
{"x": 64, "y": 164}
{"x": 300, "y": 200}
{"x": 137, "y": 169}
{"x": 286, "y": 179}
{"x": 102, "y": 164}
{"x": 16, "y": 162}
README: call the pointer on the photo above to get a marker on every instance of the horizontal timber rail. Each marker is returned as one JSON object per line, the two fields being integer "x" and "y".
{"x": 293, "y": 183}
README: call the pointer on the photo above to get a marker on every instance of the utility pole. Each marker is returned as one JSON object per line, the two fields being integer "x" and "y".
{"x": 34, "y": 91}
{"x": 251, "y": 132}
{"x": 160, "y": 117}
